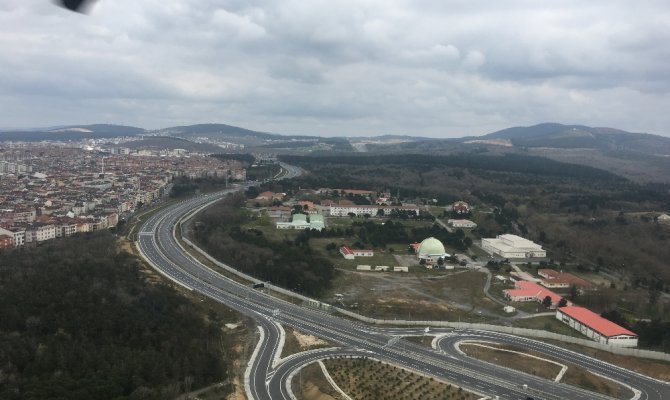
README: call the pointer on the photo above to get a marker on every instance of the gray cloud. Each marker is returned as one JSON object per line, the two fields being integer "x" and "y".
{"x": 351, "y": 67}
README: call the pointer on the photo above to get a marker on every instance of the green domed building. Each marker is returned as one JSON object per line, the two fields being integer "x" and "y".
{"x": 430, "y": 250}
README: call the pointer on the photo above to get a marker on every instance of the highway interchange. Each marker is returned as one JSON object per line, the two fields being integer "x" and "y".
{"x": 267, "y": 377}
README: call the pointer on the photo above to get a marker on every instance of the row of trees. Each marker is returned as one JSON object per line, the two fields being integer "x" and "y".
{"x": 366, "y": 233}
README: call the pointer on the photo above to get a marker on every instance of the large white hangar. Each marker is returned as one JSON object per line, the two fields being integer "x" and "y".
{"x": 513, "y": 246}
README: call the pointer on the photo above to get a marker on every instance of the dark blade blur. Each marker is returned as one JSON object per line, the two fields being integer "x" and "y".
{"x": 75, "y": 5}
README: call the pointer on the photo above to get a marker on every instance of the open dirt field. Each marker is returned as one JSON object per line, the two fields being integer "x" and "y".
{"x": 296, "y": 341}
{"x": 420, "y": 295}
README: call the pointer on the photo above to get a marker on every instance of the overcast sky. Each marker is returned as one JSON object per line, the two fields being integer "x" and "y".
{"x": 346, "y": 67}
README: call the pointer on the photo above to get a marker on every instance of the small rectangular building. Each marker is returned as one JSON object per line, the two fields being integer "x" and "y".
{"x": 461, "y": 223}
{"x": 555, "y": 279}
{"x": 349, "y": 254}
{"x": 596, "y": 327}
{"x": 363, "y": 268}
{"x": 363, "y": 253}
{"x": 400, "y": 269}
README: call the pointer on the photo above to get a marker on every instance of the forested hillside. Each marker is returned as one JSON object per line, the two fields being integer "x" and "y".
{"x": 289, "y": 264}
{"x": 79, "y": 321}
{"x": 589, "y": 219}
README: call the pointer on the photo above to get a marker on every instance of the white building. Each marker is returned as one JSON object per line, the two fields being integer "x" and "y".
{"x": 512, "y": 246}
{"x": 46, "y": 232}
{"x": 462, "y": 223}
{"x": 350, "y": 254}
{"x": 66, "y": 229}
{"x": 372, "y": 210}
{"x": 596, "y": 327}
{"x": 299, "y": 221}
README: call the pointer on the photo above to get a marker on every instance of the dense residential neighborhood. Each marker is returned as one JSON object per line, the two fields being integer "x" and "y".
{"x": 47, "y": 192}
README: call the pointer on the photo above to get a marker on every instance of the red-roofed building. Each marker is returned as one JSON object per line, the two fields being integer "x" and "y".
{"x": 555, "y": 279}
{"x": 268, "y": 195}
{"x": 349, "y": 254}
{"x": 530, "y": 291}
{"x": 310, "y": 209}
{"x": 596, "y": 327}
{"x": 460, "y": 207}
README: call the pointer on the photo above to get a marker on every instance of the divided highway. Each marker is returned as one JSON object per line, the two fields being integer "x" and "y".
{"x": 157, "y": 243}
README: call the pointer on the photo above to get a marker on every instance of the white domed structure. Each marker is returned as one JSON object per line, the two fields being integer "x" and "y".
{"x": 430, "y": 250}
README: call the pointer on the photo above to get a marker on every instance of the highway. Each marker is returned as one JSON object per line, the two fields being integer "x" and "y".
{"x": 157, "y": 243}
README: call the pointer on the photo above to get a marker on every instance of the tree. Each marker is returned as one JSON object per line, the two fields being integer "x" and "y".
{"x": 574, "y": 292}
{"x": 616, "y": 317}
{"x": 562, "y": 303}
{"x": 252, "y": 192}
{"x": 467, "y": 241}
{"x": 440, "y": 261}
{"x": 546, "y": 302}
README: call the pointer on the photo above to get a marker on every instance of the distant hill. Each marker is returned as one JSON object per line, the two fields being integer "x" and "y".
{"x": 637, "y": 156}
{"x": 73, "y": 132}
{"x": 554, "y": 135}
{"x": 214, "y": 131}
{"x": 121, "y": 130}
{"x": 165, "y": 142}
{"x": 223, "y": 130}
{"x": 255, "y": 139}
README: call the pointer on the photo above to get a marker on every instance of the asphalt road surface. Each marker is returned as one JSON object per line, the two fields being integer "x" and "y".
{"x": 157, "y": 243}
